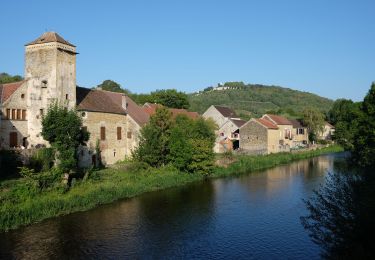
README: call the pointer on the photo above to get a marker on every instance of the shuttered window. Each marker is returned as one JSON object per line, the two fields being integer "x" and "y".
{"x": 8, "y": 114}
{"x": 14, "y": 113}
{"x": 24, "y": 114}
{"x": 102, "y": 133}
{"x": 19, "y": 114}
{"x": 118, "y": 133}
{"x": 129, "y": 134}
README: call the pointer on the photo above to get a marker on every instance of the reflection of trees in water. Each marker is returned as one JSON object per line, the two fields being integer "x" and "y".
{"x": 341, "y": 215}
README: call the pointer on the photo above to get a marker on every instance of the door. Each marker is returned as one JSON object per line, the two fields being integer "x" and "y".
{"x": 13, "y": 139}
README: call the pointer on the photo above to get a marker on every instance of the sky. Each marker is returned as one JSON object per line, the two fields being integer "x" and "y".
{"x": 326, "y": 47}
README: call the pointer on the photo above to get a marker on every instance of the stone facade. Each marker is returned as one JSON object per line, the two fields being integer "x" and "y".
{"x": 113, "y": 120}
{"x": 327, "y": 133}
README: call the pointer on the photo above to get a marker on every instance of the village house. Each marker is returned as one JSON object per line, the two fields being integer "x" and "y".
{"x": 300, "y": 134}
{"x": 285, "y": 130}
{"x": 327, "y": 133}
{"x": 228, "y": 131}
{"x": 259, "y": 136}
{"x": 112, "y": 119}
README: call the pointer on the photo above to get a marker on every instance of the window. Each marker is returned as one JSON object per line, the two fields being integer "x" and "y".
{"x": 24, "y": 114}
{"x": 129, "y": 134}
{"x": 14, "y": 113}
{"x": 44, "y": 83}
{"x": 118, "y": 133}
{"x": 102, "y": 133}
{"x": 8, "y": 113}
{"x": 41, "y": 111}
{"x": 84, "y": 129}
{"x": 66, "y": 96}
{"x": 19, "y": 114}
{"x": 301, "y": 131}
{"x": 22, "y": 96}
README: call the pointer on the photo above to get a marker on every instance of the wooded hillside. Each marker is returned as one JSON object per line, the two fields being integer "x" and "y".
{"x": 254, "y": 100}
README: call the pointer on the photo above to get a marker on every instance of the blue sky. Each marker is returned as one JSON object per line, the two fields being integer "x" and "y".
{"x": 325, "y": 47}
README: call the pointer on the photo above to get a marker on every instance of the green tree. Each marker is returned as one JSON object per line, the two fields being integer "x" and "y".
{"x": 170, "y": 98}
{"x": 314, "y": 121}
{"x": 363, "y": 151}
{"x": 6, "y": 78}
{"x": 153, "y": 147}
{"x": 344, "y": 115}
{"x": 191, "y": 145}
{"x": 113, "y": 86}
{"x": 62, "y": 128}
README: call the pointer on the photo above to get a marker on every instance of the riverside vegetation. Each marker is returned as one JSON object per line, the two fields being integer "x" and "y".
{"x": 23, "y": 202}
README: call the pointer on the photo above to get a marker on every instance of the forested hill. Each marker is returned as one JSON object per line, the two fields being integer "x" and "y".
{"x": 254, "y": 100}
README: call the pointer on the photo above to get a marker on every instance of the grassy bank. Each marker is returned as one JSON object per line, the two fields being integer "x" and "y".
{"x": 22, "y": 203}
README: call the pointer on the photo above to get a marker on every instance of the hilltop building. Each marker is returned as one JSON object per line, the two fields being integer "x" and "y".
{"x": 113, "y": 119}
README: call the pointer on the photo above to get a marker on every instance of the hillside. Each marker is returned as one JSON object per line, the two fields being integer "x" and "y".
{"x": 254, "y": 100}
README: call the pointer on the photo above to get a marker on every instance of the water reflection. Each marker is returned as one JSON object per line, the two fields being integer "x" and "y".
{"x": 251, "y": 216}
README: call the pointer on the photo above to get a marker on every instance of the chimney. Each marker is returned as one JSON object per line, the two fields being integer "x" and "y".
{"x": 124, "y": 104}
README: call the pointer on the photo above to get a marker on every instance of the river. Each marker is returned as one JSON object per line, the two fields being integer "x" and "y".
{"x": 254, "y": 216}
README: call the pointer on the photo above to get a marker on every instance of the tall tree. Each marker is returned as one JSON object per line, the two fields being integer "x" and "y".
{"x": 153, "y": 146}
{"x": 344, "y": 115}
{"x": 170, "y": 98}
{"x": 113, "y": 86}
{"x": 6, "y": 78}
{"x": 364, "y": 139}
{"x": 314, "y": 120}
{"x": 62, "y": 128}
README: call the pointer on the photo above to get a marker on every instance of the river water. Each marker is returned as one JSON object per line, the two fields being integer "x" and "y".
{"x": 254, "y": 216}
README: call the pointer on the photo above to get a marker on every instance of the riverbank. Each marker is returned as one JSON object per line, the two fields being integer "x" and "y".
{"x": 21, "y": 203}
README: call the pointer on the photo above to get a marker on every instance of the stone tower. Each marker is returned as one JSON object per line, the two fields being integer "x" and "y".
{"x": 50, "y": 74}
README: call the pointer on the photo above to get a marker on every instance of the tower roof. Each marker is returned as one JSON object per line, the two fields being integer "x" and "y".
{"x": 49, "y": 37}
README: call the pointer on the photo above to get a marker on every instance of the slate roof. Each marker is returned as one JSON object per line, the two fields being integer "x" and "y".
{"x": 109, "y": 102}
{"x": 296, "y": 123}
{"x": 266, "y": 123}
{"x": 280, "y": 120}
{"x": 6, "y": 90}
{"x": 50, "y": 37}
{"x": 238, "y": 122}
{"x": 226, "y": 111}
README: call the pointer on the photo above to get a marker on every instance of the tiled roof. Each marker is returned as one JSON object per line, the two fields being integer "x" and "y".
{"x": 280, "y": 120}
{"x": 238, "y": 122}
{"x": 109, "y": 102}
{"x": 6, "y": 90}
{"x": 329, "y": 125}
{"x": 296, "y": 123}
{"x": 266, "y": 123}
{"x": 226, "y": 111}
{"x": 49, "y": 37}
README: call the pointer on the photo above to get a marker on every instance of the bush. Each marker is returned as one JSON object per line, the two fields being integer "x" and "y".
{"x": 42, "y": 160}
{"x": 9, "y": 163}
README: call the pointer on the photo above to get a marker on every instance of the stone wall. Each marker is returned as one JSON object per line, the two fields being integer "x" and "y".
{"x": 17, "y": 103}
{"x": 50, "y": 71}
{"x": 253, "y": 137}
{"x": 215, "y": 115}
{"x": 112, "y": 149}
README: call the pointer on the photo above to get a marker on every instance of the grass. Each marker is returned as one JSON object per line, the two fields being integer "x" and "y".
{"x": 22, "y": 203}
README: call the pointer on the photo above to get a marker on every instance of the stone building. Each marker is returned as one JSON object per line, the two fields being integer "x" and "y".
{"x": 327, "y": 133}
{"x": 259, "y": 136}
{"x": 228, "y": 128}
{"x": 300, "y": 133}
{"x": 113, "y": 119}
{"x": 285, "y": 130}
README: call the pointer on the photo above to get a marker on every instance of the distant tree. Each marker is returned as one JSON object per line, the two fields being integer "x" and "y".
{"x": 208, "y": 89}
{"x": 113, "y": 86}
{"x": 153, "y": 147}
{"x": 314, "y": 121}
{"x": 170, "y": 98}
{"x": 6, "y": 78}
{"x": 62, "y": 128}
